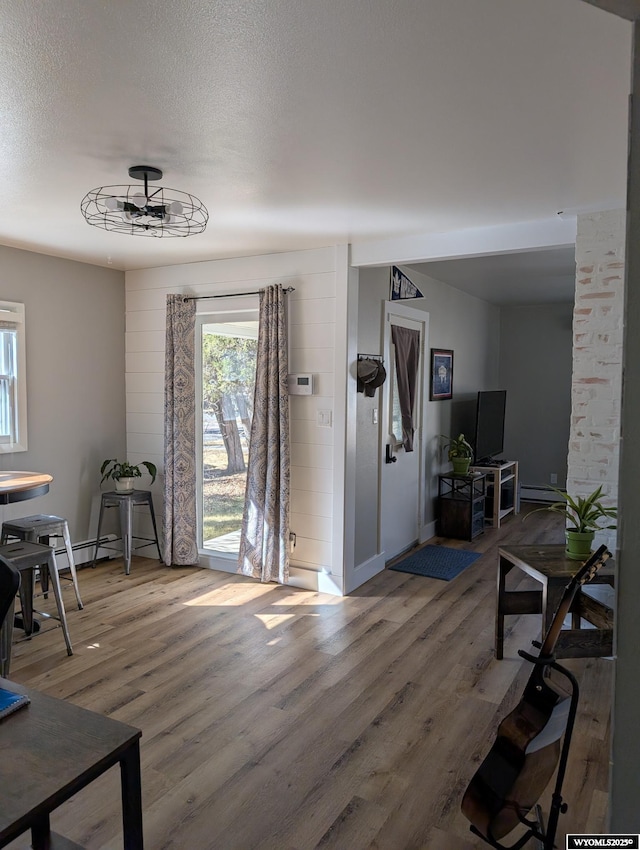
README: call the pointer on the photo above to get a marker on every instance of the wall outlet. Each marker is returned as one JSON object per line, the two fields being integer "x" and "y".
{"x": 553, "y": 478}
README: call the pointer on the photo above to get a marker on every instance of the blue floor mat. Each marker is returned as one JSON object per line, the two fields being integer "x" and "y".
{"x": 436, "y": 562}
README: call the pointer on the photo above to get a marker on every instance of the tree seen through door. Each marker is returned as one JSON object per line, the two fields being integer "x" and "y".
{"x": 228, "y": 373}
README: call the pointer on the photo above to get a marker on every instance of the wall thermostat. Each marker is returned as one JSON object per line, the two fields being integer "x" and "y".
{"x": 300, "y": 384}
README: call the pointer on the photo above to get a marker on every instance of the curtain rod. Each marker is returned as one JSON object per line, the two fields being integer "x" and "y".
{"x": 286, "y": 290}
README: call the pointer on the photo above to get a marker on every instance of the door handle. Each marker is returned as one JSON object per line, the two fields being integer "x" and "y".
{"x": 389, "y": 457}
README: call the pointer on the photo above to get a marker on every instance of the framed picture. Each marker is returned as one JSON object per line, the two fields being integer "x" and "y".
{"x": 441, "y": 374}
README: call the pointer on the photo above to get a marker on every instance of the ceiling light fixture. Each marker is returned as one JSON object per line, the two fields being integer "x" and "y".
{"x": 144, "y": 212}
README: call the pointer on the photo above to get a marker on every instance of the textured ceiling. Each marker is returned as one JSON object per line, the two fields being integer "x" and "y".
{"x": 307, "y": 122}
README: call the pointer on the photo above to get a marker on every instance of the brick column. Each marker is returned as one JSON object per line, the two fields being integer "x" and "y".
{"x": 594, "y": 440}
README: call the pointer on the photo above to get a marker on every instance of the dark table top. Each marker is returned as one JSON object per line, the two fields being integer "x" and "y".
{"x": 48, "y": 751}
{"x": 549, "y": 561}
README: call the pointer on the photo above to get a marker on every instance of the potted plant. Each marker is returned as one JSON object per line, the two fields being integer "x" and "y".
{"x": 460, "y": 453}
{"x": 583, "y": 515}
{"x": 124, "y": 473}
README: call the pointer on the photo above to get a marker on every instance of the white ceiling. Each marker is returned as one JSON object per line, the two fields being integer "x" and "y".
{"x": 529, "y": 277}
{"x": 302, "y": 123}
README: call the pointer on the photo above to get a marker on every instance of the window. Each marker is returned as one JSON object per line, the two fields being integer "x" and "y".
{"x": 13, "y": 383}
{"x": 395, "y": 412}
{"x": 395, "y": 426}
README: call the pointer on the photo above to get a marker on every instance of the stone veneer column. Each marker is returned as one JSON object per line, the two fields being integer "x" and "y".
{"x": 594, "y": 439}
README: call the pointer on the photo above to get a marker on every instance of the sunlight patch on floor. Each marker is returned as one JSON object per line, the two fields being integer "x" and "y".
{"x": 229, "y": 594}
{"x": 309, "y": 597}
{"x": 270, "y": 621}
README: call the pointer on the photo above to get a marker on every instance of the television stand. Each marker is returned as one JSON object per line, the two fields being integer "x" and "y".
{"x": 503, "y": 492}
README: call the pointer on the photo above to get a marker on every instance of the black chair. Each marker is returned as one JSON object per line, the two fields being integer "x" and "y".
{"x": 9, "y": 584}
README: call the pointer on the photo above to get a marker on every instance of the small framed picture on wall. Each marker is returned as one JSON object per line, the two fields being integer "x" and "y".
{"x": 441, "y": 374}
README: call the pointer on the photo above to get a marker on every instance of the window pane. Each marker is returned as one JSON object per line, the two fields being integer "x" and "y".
{"x": 7, "y": 385}
{"x": 13, "y": 381}
{"x": 396, "y": 416}
{"x": 228, "y": 377}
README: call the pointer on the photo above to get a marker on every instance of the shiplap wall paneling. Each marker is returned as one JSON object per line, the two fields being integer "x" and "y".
{"x": 313, "y": 329}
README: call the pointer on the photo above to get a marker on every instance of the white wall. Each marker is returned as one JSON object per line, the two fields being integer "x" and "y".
{"x": 535, "y": 370}
{"x": 75, "y": 388}
{"x": 457, "y": 321}
{"x": 317, "y": 321}
{"x": 370, "y": 306}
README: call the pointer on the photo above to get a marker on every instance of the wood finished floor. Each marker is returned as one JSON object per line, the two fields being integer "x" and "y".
{"x": 281, "y": 719}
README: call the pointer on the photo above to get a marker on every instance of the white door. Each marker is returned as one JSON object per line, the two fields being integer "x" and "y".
{"x": 402, "y": 473}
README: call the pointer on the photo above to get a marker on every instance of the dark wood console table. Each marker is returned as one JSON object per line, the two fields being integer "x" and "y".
{"x": 51, "y": 749}
{"x": 549, "y": 565}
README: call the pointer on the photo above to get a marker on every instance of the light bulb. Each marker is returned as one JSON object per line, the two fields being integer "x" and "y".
{"x": 112, "y": 203}
{"x": 175, "y": 207}
{"x": 139, "y": 200}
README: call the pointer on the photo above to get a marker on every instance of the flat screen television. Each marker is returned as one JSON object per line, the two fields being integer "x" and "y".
{"x": 489, "y": 438}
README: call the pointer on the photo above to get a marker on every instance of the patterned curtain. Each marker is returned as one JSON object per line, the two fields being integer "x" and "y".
{"x": 180, "y": 519}
{"x": 264, "y": 540}
{"x": 407, "y": 345}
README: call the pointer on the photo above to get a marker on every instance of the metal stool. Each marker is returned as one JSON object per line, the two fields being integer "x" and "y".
{"x": 25, "y": 557}
{"x": 126, "y": 502}
{"x": 39, "y": 528}
{"x": 9, "y": 584}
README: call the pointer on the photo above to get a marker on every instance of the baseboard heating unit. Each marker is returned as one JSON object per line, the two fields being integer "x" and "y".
{"x": 537, "y": 493}
{"x": 83, "y": 552}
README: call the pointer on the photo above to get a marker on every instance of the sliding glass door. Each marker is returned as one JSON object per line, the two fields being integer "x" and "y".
{"x": 227, "y": 355}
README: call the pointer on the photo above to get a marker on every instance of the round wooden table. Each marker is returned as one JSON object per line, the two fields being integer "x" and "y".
{"x": 19, "y": 486}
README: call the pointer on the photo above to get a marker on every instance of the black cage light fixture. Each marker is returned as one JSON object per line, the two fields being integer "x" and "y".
{"x": 144, "y": 211}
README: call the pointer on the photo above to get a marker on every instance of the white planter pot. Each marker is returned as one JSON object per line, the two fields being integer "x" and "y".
{"x": 124, "y": 485}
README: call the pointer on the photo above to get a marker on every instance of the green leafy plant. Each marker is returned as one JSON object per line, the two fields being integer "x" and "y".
{"x": 458, "y": 447}
{"x": 583, "y": 513}
{"x": 115, "y": 469}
